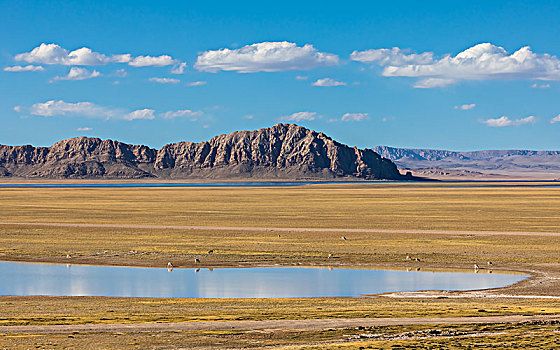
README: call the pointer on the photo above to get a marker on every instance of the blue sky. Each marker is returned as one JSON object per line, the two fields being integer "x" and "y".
{"x": 365, "y": 73}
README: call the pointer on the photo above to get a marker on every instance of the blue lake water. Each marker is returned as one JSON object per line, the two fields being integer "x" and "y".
{"x": 487, "y": 183}
{"x": 258, "y": 282}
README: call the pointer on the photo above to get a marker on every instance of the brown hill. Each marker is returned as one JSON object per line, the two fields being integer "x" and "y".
{"x": 283, "y": 151}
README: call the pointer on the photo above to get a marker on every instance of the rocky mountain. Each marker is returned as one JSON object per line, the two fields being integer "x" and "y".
{"x": 509, "y": 163}
{"x": 283, "y": 151}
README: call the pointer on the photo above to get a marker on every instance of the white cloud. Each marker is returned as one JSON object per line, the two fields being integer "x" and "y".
{"x": 391, "y": 57}
{"x": 84, "y": 129}
{"x": 140, "y": 114}
{"x": 179, "y": 68}
{"x": 431, "y": 83}
{"x": 157, "y": 61}
{"x": 301, "y": 77}
{"x": 299, "y": 116}
{"x": 77, "y": 73}
{"x": 53, "y": 108}
{"x": 28, "y": 68}
{"x": 480, "y": 62}
{"x": 465, "y": 107}
{"x": 354, "y": 117}
{"x": 264, "y": 57}
{"x": 196, "y": 83}
{"x": 328, "y": 82}
{"x": 54, "y": 54}
{"x": 540, "y": 86}
{"x": 164, "y": 80}
{"x": 505, "y": 121}
{"x": 182, "y": 113}
{"x": 17, "y": 109}
{"x": 555, "y": 119}
{"x": 248, "y": 116}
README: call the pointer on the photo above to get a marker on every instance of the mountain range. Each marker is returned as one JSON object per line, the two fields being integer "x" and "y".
{"x": 284, "y": 151}
{"x": 487, "y": 164}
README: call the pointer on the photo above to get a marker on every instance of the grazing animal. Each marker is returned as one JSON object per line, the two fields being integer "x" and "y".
{"x": 68, "y": 256}
{"x": 489, "y": 263}
{"x": 278, "y": 236}
{"x": 417, "y": 259}
{"x": 343, "y": 238}
{"x": 211, "y": 251}
{"x": 197, "y": 270}
{"x": 330, "y": 256}
{"x": 169, "y": 265}
{"x": 476, "y": 267}
{"x": 196, "y": 260}
{"x": 408, "y": 257}
{"x": 418, "y": 269}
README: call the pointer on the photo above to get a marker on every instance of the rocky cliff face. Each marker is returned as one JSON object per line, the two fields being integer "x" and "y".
{"x": 282, "y": 151}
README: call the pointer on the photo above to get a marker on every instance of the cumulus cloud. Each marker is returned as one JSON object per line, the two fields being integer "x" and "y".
{"x": 465, "y": 107}
{"x": 264, "y": 57}
{"x": 301, "y": 77}
{"x": 54, "y": 108}
{"x": 506, "y": 121}
{"x": 77, "y": 73}
{"x": 84, "y": 129}
{"x": 157, "y": 61}
{"x": 164, "y": 80}
{"x": 392, "y": 57}
{"x": 555, "y": 119}
{"x": 354, "y": 117}
{"x": 28, "y": 68}
{"x": 196, "y": 83}
{"x": 54, "y": 54}
{"x": 299, "y": 116}
{"x": 328, "y": 82}
{"x": 480, "y": 62}
{"x": 140, "y": 114}
{"x": 192, "y": 115}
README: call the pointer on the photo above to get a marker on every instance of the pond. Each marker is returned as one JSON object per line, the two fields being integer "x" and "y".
{"x": 258, "y": 282}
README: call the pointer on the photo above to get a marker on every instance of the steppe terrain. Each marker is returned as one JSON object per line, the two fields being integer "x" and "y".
{"x": 447, "y": 226}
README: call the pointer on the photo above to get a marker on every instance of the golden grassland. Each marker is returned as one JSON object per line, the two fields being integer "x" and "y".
{"x": 375, "y": 206}
{"x": 362, "y": 206}
{"x": 497, "y": 336}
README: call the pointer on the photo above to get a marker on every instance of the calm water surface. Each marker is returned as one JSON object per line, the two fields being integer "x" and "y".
{"x": 487, "y": 183}
{"x": 258, "y": 282}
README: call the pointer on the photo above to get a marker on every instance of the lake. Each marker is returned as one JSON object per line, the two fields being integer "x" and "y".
{"x": 258, "y": 282}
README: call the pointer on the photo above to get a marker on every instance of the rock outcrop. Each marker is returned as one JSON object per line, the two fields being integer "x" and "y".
{"x": 283, "y": 151}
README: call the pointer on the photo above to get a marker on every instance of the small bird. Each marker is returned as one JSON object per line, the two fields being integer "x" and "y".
{"x": 343, "y": 238}
{"x": 196, "y": 260}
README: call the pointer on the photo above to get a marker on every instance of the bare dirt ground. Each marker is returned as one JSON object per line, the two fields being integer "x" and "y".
{"x": 309, "y": 324}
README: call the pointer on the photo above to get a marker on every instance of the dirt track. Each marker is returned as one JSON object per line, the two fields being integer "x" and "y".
{"x": 283, "y": 229}
{"x": 311, "y": 324}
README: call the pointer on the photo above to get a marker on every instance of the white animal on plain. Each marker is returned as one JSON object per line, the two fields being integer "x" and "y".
{"x": 68, "y": 256}
{"x": 330, "y": 256}
{"x": 476, "y": 267}
{"x": 196, "y": 260}
{"x": 489, "y": 263}
{"x": 343, "y": 238}
{"x": 408, "y": 257}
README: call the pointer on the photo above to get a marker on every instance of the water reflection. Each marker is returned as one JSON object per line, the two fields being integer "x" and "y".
{"x": 50, "y": 279}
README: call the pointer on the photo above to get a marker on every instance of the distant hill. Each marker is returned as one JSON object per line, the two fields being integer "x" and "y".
{"x": 491, "y": 163}
{"x": 284, "y": 151}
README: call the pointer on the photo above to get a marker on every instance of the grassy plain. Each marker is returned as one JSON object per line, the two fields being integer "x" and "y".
{"x": 361, "y": 206}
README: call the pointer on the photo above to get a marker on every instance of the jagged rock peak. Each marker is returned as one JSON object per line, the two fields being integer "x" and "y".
{"x": 281, "y": 151}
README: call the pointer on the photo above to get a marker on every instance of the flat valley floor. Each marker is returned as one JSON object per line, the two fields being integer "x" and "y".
{"x": 445, "y": 226}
